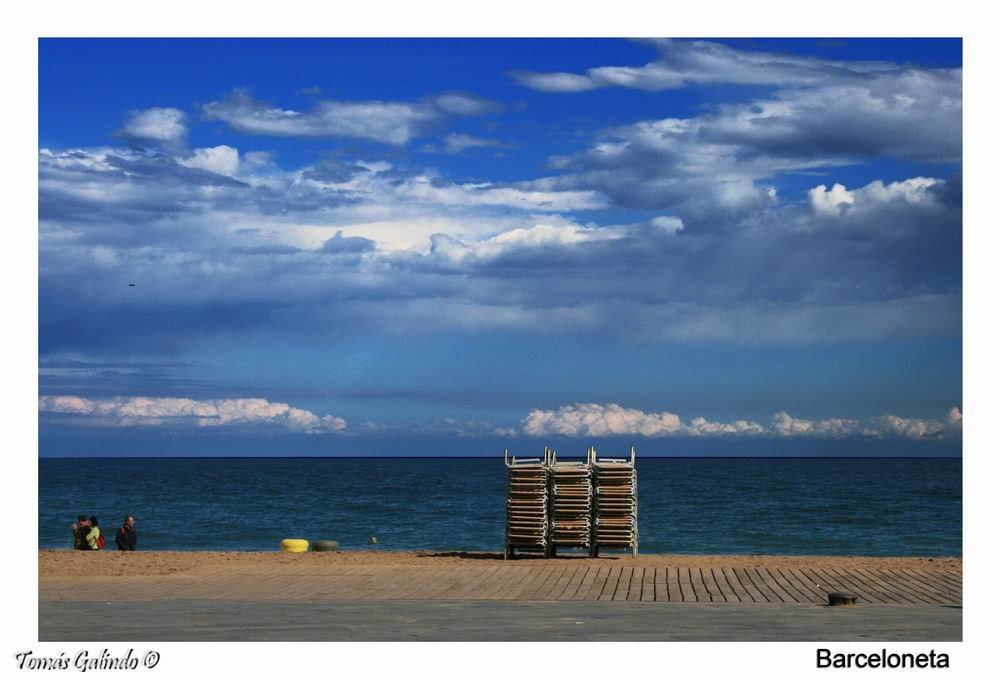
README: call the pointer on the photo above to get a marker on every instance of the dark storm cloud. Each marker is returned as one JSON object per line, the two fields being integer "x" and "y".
{"x": 885, "y": 254}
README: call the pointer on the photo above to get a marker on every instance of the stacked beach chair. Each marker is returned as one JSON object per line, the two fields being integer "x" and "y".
{"x": 616, "y": 503}
{"x": 571, "y": 506}
{"x": 527, "y": 505}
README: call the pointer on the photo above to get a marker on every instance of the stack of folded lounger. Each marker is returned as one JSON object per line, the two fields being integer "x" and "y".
{"x": 570, "y": 503}
{"x": 527, "y": 505}
{"x": 616, "y": 506}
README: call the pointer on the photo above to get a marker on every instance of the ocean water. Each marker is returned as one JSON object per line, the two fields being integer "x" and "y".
{"x": 793, "y": 506}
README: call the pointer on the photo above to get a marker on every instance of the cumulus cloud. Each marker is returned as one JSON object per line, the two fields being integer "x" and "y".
{"x": 714, "y": 168}
{"x": 606, "y": 420}
{"x": 165, "y": 125}
{"x": 170, "y": 411}
{"x": 223, "y": 160}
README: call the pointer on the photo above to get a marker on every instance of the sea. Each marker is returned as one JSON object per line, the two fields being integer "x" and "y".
{"x": 782, "y": 506}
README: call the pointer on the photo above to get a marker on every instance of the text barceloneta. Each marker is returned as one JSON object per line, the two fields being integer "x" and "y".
{"x": 884, "y": 659}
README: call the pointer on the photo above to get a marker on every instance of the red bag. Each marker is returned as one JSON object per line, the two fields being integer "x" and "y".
{"x": 100, "y": 541}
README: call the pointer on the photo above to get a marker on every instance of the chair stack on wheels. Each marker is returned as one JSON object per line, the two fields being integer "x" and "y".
{"x": 571, "y": 504}
{"x": 616, "y": 506}
{"x": 527, "y": 505}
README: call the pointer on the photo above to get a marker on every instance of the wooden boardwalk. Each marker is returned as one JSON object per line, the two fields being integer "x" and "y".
{"x": 530, "y": 580}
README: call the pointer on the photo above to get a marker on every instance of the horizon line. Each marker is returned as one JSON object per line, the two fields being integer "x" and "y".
{"x": 485, "y": 457}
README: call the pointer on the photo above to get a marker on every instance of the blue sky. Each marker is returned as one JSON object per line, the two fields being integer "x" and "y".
{"x": 445, "y": 247}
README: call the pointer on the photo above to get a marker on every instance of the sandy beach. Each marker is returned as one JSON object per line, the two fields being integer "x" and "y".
{"x": 70, "y": 563}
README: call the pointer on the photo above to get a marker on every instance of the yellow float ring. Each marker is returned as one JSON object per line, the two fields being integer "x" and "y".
{"x": 294, "y": 545}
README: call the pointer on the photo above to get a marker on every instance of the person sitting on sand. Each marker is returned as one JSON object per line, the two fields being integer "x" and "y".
{"x": 94, "y": 539}
{"x": 125, "y": 538}
{"x": 81, "y": 527}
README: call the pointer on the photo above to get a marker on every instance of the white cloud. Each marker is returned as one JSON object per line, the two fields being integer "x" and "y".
{"x": 685, "y": 63}
{"x": 538, "y": 236}
{"x": 156, "y": 125}
{"x": 425, "y": 189}
{"x": 556, "y": 82}
{"x": 829, "y": 202}
{"x": 222, "y": 160}
{"x": 839, "y": 200}
{"x": 668, "y": 223}
{"x": 394, "y": 123}
{"x": 605, "y": 420}
{"x": 458, "y": 142}
{"x": 595, "y": 420}
{"x": 161, "y": 411}
{"x": 460, "y": 104}
{"x": 780, "y": 272}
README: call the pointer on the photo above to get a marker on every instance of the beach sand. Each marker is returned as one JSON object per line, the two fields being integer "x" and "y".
{"x": 66, "y": 563}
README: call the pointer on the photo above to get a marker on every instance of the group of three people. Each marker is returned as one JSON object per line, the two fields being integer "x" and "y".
{"x": 87, "y": 534}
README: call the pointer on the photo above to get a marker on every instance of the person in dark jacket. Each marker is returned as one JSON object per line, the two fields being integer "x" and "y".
{"x": 80, "y": 529}
{"x": 125, "y": 538}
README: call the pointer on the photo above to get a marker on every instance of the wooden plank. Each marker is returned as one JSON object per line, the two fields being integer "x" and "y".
{"x": 580, "y": 584}
{"x": 752, "y": 590}
{"x": 634, "y": 593}
{"x": 953, "y": 576}
{"x": 918, "y": 586}
{"x": 944, "y": 585}
{"x": 687, "y": 589}
{"x": 600, "y": 583}
{"x": 698, "y": 585}
{"x": 824, "y": 585}
{"x": 565, "y": 574}
{"x": 576, "y": 582}
{"x": 428, "y": 583}
{"x": 736, "y": 585}
{"x": 867, "y": 590}
{"x": 612, "y": 583}
{"x": 621, "y": 592}
{"x": 395, "y": 580}
{"x": 907, "y": 587}
{"x": 845, "y": 582}
{"x": 725, "y": 590}
{"x": 533, "y": 582}
{"x": 542, "y": 586}
{"x": 674, "y": 585}
{"x": 936, "y": 586}
{"x": 472, "y": 587}
{"x": 769, "y": 581}
{"x": 449, "y": 582}
{"x": 494, "y": 589}
{"x": 758, "y": 583}
{"x": 648, "y": 588}
{"x": 525, "y": 575}
{"x": 660, "y": 585}
{"x": 788, "y": 586}
{"x": 804, "y": 584}
{"x": 411, "y": 589}
{"x": 887, "y": 591}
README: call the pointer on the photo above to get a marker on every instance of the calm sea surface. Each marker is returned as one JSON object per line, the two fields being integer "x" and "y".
{"x": 703, "y": 505}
